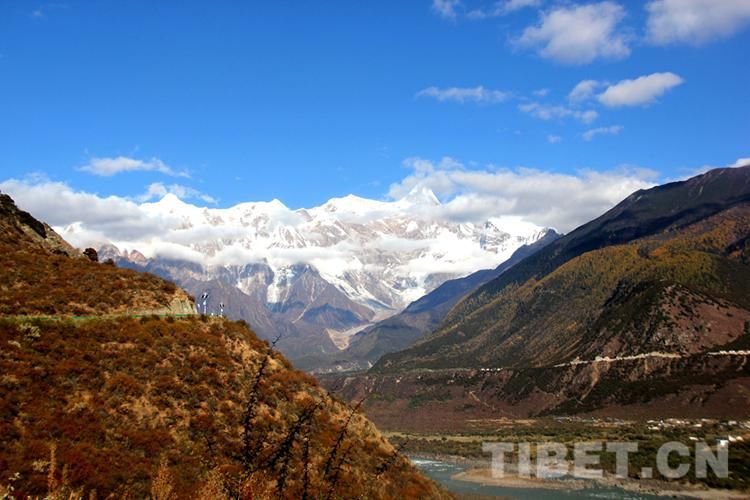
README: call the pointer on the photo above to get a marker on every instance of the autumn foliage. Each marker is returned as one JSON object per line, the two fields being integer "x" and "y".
{"x": 133, "y": 403}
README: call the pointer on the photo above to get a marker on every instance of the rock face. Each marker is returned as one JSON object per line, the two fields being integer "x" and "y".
{"x": 649, "y": 293}
{"x": 314, "y": 275}
{"x": 177, "y": 307}
{"x": 91, "y": 254}
{"x": 31, "y": 232}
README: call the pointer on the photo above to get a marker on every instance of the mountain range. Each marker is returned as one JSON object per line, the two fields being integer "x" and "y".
{"x": 315, "y": 276}
{"x": 646, "y": 308}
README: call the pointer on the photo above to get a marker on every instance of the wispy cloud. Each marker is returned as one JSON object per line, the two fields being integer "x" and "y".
{"x": 554, "y": 139}
{"x": 464, "y": 94}
{"x": 639, "y": 91}
{"x": 578, "y": 34}
{"x": 695, "y": 21}
{"x": 583, "y": 91}
{"x": 107, "y": 167}
{"x": 612, "y": 130}
{"x": 502, "y": 8}
{"x": 446, "y": 8}
{"x": 549, "y": 112}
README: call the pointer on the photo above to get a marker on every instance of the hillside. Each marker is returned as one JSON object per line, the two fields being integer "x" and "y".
{"x": 43, "y": 275}
{"x": 644, "y": 311}
{"x": 422, "y": 316}
{"x": 163, "y": 406}
{"x": 566, "y": 300}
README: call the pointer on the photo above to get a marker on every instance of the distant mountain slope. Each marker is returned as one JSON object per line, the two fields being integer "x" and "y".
{"x": 550, "y": 307}
{"x": 113, "y": 406}
{"x": 419, "y": 318}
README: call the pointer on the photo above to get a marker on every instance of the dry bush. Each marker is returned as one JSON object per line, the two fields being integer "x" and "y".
{"x": 115, "y": 395}
{"x": 162, "y": 485}
{"x": 213, "y": 487}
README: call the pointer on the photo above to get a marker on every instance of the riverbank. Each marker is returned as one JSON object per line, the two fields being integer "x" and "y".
{"x": 483, "y": 476}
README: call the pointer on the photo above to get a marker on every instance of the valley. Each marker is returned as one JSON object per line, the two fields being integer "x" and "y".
{"x": 424, "y": 250}
{"x": 629, "y": 319}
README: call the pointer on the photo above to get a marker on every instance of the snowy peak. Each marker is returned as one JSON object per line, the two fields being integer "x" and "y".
{"x": 421, "y": 195}
{"x": 355, "y": 205}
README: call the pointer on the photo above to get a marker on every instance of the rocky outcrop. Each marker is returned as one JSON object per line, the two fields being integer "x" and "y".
{"x": 181, "y": 305}
{"x": 91, "y": 254}
{"x": 16, "y": 221}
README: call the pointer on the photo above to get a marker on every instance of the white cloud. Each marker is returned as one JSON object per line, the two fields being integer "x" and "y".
{"x": 59, "y": 205}
{"x": 541, "y": 93}
{"x": 554, "y": 139}
{"x": 459, "y": 94}
{"x": 502, "y": 8}
{"x": 578, "y": 34}
{"x": 547, "y": 112}
{"x": 741, "y": 162}
{"x": 159, "y": 190}
{"x": 445, "y": 8}
{"x": 613, "y": 130}
{"x": 640, "y": 91}
{"x": 695, "y": 21}
{"x": 513, "y": 5}
{"x": 558, "y": 200}
{"x": 583, "y": 91}
{"x": 107, "y": 167}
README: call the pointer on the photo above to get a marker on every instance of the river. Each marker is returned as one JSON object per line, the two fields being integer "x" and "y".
{"x": 442, "y": 472}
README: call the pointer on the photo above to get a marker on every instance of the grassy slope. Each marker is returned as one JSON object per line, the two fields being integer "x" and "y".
{"x": 115, "y": 396}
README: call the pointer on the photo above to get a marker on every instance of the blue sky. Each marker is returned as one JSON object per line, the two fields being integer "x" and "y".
{"x": 304, "y": 101}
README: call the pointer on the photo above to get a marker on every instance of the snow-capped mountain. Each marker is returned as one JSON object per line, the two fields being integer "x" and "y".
{"x": 336, "y": 266}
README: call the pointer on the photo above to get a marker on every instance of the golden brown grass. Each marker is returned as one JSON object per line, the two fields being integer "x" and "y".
{"x": 151, "y": 406}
